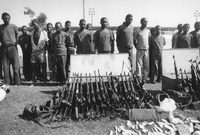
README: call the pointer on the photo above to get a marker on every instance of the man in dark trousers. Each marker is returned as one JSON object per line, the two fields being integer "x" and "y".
{"x": 71, "y": 47}
{"x": 156, "y": 43}
{"x": 8, "y": 38}
{"x": 104, "y": 38}
{"x": 60, "y": 41}
{"x": 50, "y": 49}
{"x": 39, "y": 40}
{"x": 25, "y": 43}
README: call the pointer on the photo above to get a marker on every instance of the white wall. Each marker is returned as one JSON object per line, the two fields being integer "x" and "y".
{"x": 182, "y": 57}
{"x": 88, "y": 63}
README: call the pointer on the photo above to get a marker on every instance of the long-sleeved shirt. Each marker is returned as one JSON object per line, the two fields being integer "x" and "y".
{"x": 25, "y": 42}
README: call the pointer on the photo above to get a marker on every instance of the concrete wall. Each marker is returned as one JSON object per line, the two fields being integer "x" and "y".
{"x": 88, "y": 63}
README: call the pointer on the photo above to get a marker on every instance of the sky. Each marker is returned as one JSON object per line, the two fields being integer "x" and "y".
{"x": 167, "y": 13}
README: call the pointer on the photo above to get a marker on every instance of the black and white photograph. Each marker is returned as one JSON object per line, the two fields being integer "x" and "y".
{"x": 100, "y": 67}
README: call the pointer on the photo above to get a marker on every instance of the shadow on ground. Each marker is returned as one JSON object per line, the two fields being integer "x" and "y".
{"x": 52, "y": 92}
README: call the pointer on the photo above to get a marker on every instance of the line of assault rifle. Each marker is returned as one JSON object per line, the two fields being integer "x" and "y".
{"x": 86, "y": 97}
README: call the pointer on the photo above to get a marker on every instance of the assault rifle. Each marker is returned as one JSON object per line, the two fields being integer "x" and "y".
{"x": 88, "y": 99}
{"x": 71, "y": 97}
{"x": 77, "y": 99}
{"x": 125, "y": 91}
{"x": 93, "y": 100}
{"x": 81, "y": 99}
{"x": 98, "y": 96}
{"x": 130, "y": 96}
{"x": 67, "y": 100}
{"x": 113, "y": 96}
{"x": 103, "y": 97}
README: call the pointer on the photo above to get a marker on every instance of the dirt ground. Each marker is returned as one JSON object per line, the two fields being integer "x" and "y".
{"x": 11, "y": 108}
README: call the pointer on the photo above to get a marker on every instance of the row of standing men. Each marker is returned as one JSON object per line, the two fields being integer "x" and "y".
{"x": 183, "y": 39}
{"x": 61, "y": 43}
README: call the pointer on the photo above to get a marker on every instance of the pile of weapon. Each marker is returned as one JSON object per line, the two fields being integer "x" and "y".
{"x": 190, "y": 85}
{"x": 86, "y": 97}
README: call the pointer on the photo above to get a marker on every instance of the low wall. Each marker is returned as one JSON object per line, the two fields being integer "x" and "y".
{"x": 88, "y": 63}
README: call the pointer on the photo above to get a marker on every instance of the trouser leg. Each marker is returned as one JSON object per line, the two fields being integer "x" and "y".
{"x": 6, "y": 68}
{"x": 44, "y": 72}
{"x": 159, "y": 69}
{"x": 1, "y": 64}
{"x": 15, "y": 64}
{"x": 145, "y": 65}
{"x": 34, "y": 72}
{"x": 139, "y": 58}
{"x": 62, "y": 68}
{"x": 130, "y": 52}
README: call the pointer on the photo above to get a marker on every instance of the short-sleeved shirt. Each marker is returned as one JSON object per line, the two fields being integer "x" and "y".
{"x": 125, "y": 37}
{"x": 8, "y": 34}
{"x": 60, "y": 42}
{"x": 185, "y": 41}
{"x": 83, "y": 42}
{"x": 174, "y": 39}
{"x": 103, "y": 39}
{"x": 156, "y": 44}
{"x": 25, "y": 42}
{"x": 142, "y": 38}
